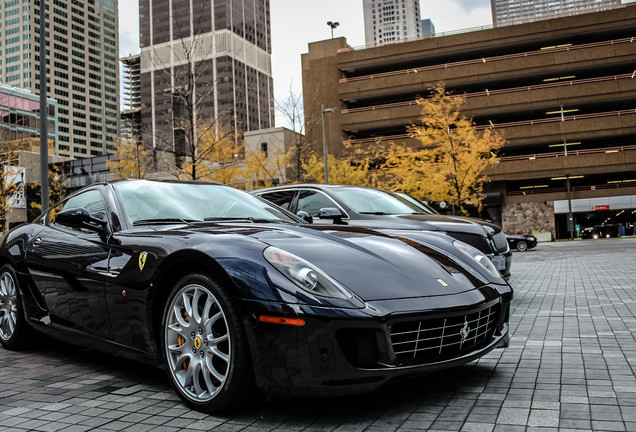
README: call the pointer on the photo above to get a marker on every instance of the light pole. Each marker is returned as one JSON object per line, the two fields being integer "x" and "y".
{"x": 44, "y": 115}
{"x": 324, "y": 110}
{"x": 333, "y": 25}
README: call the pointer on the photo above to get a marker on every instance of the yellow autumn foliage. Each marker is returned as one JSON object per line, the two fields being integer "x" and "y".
{"x": 133, "y": 160}
{"x": 341, "y": 171}
{"x": 450, "y": 163}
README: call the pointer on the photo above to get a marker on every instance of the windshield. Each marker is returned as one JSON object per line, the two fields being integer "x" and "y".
{"x": 372, "y": 201}
{"x": 420, "y": 204}
{"x": 147, "y": 201}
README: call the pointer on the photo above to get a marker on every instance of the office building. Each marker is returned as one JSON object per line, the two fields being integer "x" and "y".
{"x": 20, "y": 120}
{"x": 510, "y": 12}
{"x": 428, "y": 28}
{"x": 83, "y": 72}
{"x": 387, "y": 21}
{"x": 562, "y": 92}
{"x": 224, "y": 46}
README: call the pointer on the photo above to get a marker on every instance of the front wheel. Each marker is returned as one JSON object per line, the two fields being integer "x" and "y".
{"x": 205, "y": 347}
{"x": 13, "y": 328}
{"x": 522, "y": 246}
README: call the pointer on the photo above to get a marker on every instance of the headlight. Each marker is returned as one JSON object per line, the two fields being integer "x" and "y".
{"x": 531, "y": 239}
{"x": 475, "y": 254}
{"x": 304, "y": 274}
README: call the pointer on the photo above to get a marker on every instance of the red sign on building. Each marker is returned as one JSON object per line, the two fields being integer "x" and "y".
{"x": 601, "y": 207}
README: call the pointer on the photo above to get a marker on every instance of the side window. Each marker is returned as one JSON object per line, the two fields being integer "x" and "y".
{"x": 280, "y": 198}
{"x": 91, "y": 200}
{"x": 313, "y": 201}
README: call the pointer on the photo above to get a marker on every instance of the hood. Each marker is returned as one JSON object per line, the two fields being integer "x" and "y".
{"x": 430, "y": 223}
{"x": 377, "y": 266}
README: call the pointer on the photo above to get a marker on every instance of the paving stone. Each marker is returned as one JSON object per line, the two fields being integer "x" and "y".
{"x": 570, "y": 368}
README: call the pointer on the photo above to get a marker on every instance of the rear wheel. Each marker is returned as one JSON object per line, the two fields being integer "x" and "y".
{"x": 205, "y": 347}
{"x": 13, "y": 328}
{"x": 522, "y": 246}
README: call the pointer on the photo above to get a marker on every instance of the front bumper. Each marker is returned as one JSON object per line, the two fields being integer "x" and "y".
{"x": 347, "y": 351}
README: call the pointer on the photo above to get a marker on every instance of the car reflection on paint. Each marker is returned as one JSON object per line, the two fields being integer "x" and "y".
{"x": 229, "y": 293}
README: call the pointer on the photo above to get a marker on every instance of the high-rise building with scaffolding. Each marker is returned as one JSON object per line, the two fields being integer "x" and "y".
{"x": 131, "y": 110}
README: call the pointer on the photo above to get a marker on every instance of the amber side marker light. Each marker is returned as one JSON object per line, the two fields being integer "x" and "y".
{"x": 280, "y": 320}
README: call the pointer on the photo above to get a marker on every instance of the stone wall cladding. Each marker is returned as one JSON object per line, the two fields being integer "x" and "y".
{"x": 529, "y": 218}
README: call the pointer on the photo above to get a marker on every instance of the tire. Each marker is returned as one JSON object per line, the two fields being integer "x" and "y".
{"x": 14, "y": 330}
{"x": 522, "y": 246}
{"x": 204, "y": 345}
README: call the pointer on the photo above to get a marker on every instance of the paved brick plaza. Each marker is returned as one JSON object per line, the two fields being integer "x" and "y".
{"x": 571, "y": 366}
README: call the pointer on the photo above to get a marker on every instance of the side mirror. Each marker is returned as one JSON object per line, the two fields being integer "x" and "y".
{"x": 305, "y": 216}
{"x": 331, "y": 213}
{"x": 79, "y": 218}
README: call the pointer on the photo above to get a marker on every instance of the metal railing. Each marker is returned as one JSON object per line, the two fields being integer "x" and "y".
{"x": 540, "y": 191}
{"x": 411, "y": 39}
{"x": 570, "y": 153}
{"x": 505, "y": 125}
{"x": 501, "y": 91}
{"x": 490, "y": 59}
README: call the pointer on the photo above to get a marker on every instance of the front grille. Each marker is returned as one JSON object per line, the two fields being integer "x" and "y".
{"x": 475, "y": 240}
{"x": 436, "y": 339}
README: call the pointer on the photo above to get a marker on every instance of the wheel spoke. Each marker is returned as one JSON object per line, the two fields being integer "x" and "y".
{"x": 187, "y": 303}
{"x": 206, "y": 309}
{"x": 209, "y": 367}
{"x": 195, "y": 305}
{"x": 217, "y": 340}
{"x": 196, "y": 379}
{"x": 220, "y": 354}
{"x": 206, "y": 372}
{"x": 211, "y": 321}
{"x": 176, "y": 310}
{"x": 179, "y": 328}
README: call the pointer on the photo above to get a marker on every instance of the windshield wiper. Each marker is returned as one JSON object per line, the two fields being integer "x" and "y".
{"x": 377, "y": 213}
{"x": 161, "y": 221}
{"x": 245, "y": 219}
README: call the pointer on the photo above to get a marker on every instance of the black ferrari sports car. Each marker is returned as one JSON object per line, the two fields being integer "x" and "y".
{"x": 230, "y": 293}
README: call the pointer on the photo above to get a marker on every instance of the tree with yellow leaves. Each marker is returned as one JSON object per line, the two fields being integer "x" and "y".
{"x": 133, "y": 161}
{"x": 57, "y": 190}
{"x": 453, "y": 157}
{"x": 341, "y": 171}
{"x": 215, "y": 155}
{"x": 268, "y": 168}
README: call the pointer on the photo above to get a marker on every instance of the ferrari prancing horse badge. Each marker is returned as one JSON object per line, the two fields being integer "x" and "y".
{"x": 142, "y": 260}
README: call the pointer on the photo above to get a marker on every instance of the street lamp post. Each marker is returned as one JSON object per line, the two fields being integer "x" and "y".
{"x": 324, "y": 110}
{"x": 570, "y": 221}
{"x": 44, "y": 115}
{"x": 333, "y": 25}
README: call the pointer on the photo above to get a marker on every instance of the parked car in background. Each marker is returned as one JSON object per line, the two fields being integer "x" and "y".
{"x": 228, "y": 292}
{"x": 373, "y": 208}
{"x": 521, "y": 242}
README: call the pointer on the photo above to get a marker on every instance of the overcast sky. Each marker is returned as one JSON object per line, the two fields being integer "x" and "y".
{"x": 295, "y": 23}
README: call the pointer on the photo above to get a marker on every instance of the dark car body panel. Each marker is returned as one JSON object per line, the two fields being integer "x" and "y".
{"x": 98, "y": 293}
{"x": 483, "y": 235}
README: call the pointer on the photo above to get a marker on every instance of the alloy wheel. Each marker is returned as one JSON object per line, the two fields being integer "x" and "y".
{"x": 197, "y": 343}
{"x": 8, "y": 305}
